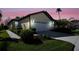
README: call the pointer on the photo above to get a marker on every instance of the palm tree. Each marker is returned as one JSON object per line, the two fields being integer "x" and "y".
{"x": 58, "y": 10}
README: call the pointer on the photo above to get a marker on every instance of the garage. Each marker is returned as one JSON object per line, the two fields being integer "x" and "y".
{"x": 43, "y": 26}
{"x": 42, "y": 21}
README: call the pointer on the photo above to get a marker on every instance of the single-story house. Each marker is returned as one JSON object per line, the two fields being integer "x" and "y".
{"x": 13, "y": 24}
{"x": 42, "y": 21}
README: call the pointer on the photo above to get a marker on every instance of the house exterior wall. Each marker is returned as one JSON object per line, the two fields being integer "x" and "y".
{"x": 74, "y": 25}
{"x": 25, "y": 23}
{"x": 11, "y": 25}
{"x": 14, "y": 25}
{"x": 39, "y": 21}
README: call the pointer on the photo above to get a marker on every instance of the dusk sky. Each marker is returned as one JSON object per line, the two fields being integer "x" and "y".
{"x": 13, "y": 12}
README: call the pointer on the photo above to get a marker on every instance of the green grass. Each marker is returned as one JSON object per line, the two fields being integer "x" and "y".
{"x": 48, "y": 45}
{"x": 4, "y": 34}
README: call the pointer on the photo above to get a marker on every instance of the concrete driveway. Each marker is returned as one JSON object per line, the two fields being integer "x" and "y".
{"x": 54, "y": 34}
{"x": 72, "y": 39}
{"x": 63, "y": 36}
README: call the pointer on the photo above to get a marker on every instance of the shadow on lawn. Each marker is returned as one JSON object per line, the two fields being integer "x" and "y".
{"x": 5, "y": 43}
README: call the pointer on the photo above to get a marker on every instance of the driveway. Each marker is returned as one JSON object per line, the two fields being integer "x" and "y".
{"x": 72, "y": 39}
{"x": 54, "y": 34}
{"x": 63, "y": 36}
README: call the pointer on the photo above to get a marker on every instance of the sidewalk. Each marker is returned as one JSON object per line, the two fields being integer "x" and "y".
{"x": 13, "y": 35}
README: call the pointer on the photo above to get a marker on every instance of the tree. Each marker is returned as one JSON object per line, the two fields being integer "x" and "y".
{"x": 0, "y": 15}
{"x": 58, "y": 10}
{"x": 62, "y": 23}
{"x": 17, "y": 18}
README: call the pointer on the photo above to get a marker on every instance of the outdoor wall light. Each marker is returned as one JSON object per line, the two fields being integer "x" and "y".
{"x": 50, "y": 24}
{"x": 16, "y": 23}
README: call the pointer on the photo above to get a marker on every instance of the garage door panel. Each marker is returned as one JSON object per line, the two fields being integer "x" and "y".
{"x": 41, "y": 27}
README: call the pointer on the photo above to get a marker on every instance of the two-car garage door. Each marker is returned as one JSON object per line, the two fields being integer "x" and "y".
{"x": 43, "y": 26}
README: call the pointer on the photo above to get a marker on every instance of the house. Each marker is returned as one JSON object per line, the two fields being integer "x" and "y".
{"x": 75, "y": 24}
{"x": 42, "y": 21}
{"x": 13, "y": 24}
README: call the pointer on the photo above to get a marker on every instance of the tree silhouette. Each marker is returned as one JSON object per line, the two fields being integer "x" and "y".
{"x": 17, "y": 18}
{"x": 58, "y": 10}
{"x": 0, "y": 15}
{"x": 72, "y": 18}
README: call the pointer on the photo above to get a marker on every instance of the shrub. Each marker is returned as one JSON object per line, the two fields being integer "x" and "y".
{"x": 17, "y": 31}
{"x": 13, "y": 30}
{"x": 3, "y": 27}
{"x": 63, "y": 26}
{"x": 37, "y": 40}
{"x": 62, "y": 23}
{"x": 34, "y": 30}
{"x": 27, "y": 37}
{"x": 45, "y": 37}
{"x": 76, "y": 31}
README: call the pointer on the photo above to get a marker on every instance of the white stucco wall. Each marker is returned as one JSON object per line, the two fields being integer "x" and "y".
{"x": 24, "y": 23}
{"x": 41, "y": 22}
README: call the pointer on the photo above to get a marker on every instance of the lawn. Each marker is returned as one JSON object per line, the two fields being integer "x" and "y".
{"x": 48, "y": 45}
{"x": 3, "y": 34}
